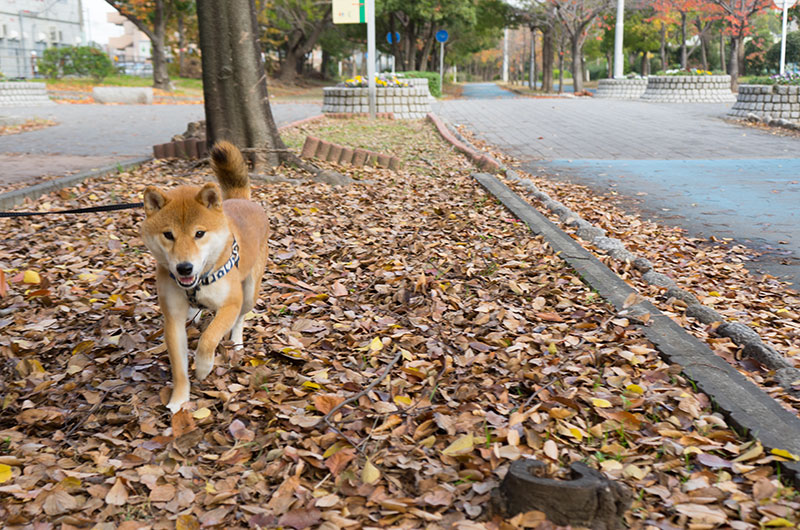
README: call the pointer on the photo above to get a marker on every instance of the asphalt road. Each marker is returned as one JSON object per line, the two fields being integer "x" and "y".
{"x": 92, "y": 136}
{"x": 681, "y": 164}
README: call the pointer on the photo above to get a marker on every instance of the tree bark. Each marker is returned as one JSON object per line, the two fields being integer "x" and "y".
{"x": 733, "y": 64}
{"x": 157, "y": 35}
{"x": 234, "y": 82}
{"x": 395, "y": 51}
{"x": 426, "y": 50}
{"x": 663, "y": 50}
{"x": 547, "y": 59}
{"x": 298, "y": 45}
{"x": 532, "y": 66}
{"x": 684, "y": 58}
{"x": 722, "y": 51}
{"x": 577, "y": 66}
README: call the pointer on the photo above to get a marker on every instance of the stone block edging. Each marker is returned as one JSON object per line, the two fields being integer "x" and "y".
{"x": 24, "y": 94}
{"x": 689, "y": 89}
{"x": 621, "y": 88}
{"x": 411, "y": 102}
{"x": 340, "y": 154}
{"x": 767, "y": 103}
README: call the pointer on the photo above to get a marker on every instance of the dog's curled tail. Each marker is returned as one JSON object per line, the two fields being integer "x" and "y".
{"x": 231, "y": 170}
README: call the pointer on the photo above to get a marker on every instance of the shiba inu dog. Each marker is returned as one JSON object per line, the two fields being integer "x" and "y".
{"x": 210, "y": 243}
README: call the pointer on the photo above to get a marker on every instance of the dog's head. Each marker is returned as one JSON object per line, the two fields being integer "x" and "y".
{"x": 185, "y": 229}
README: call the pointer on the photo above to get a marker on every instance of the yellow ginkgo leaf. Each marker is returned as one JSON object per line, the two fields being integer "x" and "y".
{"x": 370, "y": 474}
{"x": 201, "y": 414}
{"x": 461, "y": 446}
{"x": 636, "y": 389}
{"x": 311, "y": 385}
{"x": 713, "y": 293}
{"x": 552, "y": 348}
{"x": 576, "y": 433}
{"x": 376, "y": 344}
{"x": 402, "y": 400}
{"x": 779, "y": 522}
{"x": 31, "y": 277}
{"x": 601, "y": 403}
{"x": 5, "y": 473}
{"x": 785, "y": 454}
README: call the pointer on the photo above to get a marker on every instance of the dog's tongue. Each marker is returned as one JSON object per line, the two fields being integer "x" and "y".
{"x": 186, "y": 280}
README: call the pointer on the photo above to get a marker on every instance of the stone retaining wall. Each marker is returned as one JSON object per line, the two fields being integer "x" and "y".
{"x": 768, "y": 102}
{"x": 621, "y": 88}
{"x": 689, "y": 89}
{"x": 21, "y": 94}
{"x": 404, "y": 102}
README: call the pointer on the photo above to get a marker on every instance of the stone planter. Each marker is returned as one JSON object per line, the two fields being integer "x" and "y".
{"x": 404, "y": 102}
{"x": 123, "y": 94}
{"x": 768, "y": 102}
{"x": 689, "y": 89}
{"x": 21, "y": 94}
{"x": 621, "y": 88}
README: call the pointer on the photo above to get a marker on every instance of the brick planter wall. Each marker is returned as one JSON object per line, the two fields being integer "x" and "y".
{"x": 404, "y": 102}
{"x": 768, "y": 101}
{"x": 21, "y": 94}
{"x": 621, "y": 88}
{"x": 689, "y": 89}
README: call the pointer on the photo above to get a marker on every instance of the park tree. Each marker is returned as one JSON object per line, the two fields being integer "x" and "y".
{"x": 296, "y": 26}
{"x": 541, "y": 16}
{"x": 151, "y": 17}
{"x": 576, "y": 17}
{"x": 737, "y": 15}
{"x": 234, "y": 82}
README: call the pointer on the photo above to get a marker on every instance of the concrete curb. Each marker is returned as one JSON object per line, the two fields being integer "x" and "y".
{"x": 744, "y": 403}
{"x": 13, "y": 198}
{"x": 740, "y": 334}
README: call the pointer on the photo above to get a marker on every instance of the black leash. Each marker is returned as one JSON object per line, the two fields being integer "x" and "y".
{"x": 92, "y": 209}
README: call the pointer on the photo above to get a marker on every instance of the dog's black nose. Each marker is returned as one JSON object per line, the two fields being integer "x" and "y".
{"x": 184, "y": 268}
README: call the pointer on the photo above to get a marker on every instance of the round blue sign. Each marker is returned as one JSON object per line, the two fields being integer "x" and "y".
{"x": 442, "y": 35}
{"x": 396, "y": 37}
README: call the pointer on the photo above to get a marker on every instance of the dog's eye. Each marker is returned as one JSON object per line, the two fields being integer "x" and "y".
{"x": 199, "y": 234}
{"x": 169, "y": 236}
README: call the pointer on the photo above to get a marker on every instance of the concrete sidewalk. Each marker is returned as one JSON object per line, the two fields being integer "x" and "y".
{"x": 92, "y": 136}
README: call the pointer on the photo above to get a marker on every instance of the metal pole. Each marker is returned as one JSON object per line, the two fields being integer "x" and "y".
{"x": 618, "y": 31}
{"x": 505, "y": 55}
{"x": 371, "y": 55}
{"x": 441, "y": 67}
{"x": 783, "y": 36}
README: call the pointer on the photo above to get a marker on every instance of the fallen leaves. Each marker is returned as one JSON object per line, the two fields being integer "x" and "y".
{"x": 502, "y": 353}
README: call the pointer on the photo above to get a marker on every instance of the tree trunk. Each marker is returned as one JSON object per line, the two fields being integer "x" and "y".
{"x": 532, "y": 66}
{"x": 722, "y": 51}
{"x": 663, "y": 50}
{"x": 734, "y": 64}
{"x": 704, "y": 51}
{"x": 181, "y": 43}
{"x": 411, "y": 53}
{"x": 395, "y": 50}
{"x": 577, "y": 64}
{"x": 547, "y": 59}
{"x": 298, "y": 45}
{"x": 426, "y": 50}
{"x": 234, "y": 82}
{"x": 684, "y": 58}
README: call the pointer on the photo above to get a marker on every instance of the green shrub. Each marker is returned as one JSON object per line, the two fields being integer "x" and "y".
{"x": 433, "y": 81}
{"x": 81, "y": 61}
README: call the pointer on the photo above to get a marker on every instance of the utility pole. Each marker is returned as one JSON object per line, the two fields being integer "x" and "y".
{"x": 371, "y": 56}
{"x": 618, "y": 31}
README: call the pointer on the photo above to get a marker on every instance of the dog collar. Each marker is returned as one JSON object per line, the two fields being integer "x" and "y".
{"x": 209, "y": 277}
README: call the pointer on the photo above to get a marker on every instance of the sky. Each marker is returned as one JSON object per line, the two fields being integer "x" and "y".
{"x": 99, "y": 30}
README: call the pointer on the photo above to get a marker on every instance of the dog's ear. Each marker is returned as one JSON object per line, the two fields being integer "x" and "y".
{"x": 154, "y": 200}
{"x": 210, "y": 196}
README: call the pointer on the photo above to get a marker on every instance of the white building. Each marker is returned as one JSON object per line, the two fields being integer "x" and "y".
{"x": 27, "y": 27}
{"x": 132, "y": 46}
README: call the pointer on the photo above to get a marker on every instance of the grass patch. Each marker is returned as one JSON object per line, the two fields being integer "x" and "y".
{"x": 183, "y": 85}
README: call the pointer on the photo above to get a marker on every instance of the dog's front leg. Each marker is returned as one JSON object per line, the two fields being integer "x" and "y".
{"x": 223, "y": 322}
{"x": 175, "y": 332}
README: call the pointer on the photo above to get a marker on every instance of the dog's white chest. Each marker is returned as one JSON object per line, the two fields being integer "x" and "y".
{"x": 211, "y": 296}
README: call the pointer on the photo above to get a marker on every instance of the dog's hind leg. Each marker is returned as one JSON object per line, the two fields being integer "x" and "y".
{"x": 248, "y": 302}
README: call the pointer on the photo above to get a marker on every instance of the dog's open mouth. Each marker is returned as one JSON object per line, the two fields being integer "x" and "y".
{"x": 187, "y": 281}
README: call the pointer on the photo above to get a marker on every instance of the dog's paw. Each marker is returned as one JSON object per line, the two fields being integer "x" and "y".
{"x": 203, "y": 367}
{"x": 177, "y": 400}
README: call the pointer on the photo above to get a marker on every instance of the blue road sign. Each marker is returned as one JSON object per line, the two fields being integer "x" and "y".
{"x": 396, "y": 37}
{"x": 442, "y": 35}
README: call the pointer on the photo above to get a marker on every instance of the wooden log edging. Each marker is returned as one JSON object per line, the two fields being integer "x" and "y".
{"x": 340, "y": 154}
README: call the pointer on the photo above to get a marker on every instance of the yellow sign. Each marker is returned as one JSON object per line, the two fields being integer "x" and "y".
{"x": 349, "y": 12}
